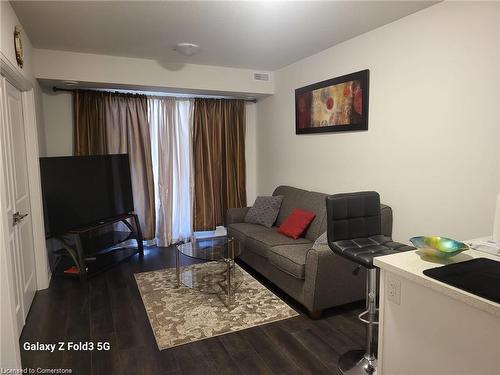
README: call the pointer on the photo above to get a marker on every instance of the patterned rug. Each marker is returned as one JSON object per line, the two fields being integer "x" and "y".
{"x": 182, "y": 315}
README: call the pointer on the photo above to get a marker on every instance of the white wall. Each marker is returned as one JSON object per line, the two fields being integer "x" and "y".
{"x": 8, "y": 21}
{"x": 129, "y": 72}
{"x": 58, "y": 118}
{"x": 432, "y": 148}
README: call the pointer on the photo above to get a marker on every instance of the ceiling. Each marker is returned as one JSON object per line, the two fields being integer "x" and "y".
{"x": 260, "y": 35}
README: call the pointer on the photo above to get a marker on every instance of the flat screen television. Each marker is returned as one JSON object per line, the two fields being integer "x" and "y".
{"x": 84, "y": 190}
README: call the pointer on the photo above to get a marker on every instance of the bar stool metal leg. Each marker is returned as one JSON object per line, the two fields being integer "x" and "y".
{"x": 363, "y": 362}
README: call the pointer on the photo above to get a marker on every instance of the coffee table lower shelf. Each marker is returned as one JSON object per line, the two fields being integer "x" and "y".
{"x": 220, "y": 276}
{"x": 212, "y": 279}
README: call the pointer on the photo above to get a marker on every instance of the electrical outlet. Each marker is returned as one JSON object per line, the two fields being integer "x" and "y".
{"x": 393, "y": 288}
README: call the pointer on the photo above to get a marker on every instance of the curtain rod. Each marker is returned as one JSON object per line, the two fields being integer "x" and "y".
{"x": 56, "y": 89}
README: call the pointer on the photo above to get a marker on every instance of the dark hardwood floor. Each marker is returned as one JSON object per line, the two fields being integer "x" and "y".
{"x": 108, "y": 308}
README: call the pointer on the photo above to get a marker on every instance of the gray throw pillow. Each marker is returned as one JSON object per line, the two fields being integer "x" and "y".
{"x": 321, "y": 243}
{"x": 264, "y": 211}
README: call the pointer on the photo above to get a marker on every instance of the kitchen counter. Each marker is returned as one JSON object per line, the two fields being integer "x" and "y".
{"x": 429, "y": 327}
{"x": 411, "y": 266}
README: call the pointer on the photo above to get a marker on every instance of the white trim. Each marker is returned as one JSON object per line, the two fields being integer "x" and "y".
{"x": 26, "y": 86}
{"x": 7, "y": 309}
{"x": 13, "y": 75}
{"x": 33, "y": 165}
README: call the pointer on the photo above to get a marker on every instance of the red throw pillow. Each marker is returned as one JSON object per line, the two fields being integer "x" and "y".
{"x": 296, "y": 223}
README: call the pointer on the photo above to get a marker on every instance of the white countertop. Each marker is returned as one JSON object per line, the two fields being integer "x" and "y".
{"x": 411, "y": 264}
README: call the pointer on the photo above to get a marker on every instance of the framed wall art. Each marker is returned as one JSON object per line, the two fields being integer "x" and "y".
{"x": 334, "y": 105}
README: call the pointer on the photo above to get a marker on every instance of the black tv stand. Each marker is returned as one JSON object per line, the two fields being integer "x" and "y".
{"x": 87, "y": 244}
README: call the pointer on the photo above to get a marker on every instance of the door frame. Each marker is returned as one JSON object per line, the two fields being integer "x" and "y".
{"x": 42, "y": 270}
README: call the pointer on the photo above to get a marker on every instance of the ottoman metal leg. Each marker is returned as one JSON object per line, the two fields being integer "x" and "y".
{"x": 363, "y": 362}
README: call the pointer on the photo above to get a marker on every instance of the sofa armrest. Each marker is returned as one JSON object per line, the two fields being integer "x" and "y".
{"x": 236, "y": 215}
{"x": 386, "y": 220}
{"x": 330, "y": 280}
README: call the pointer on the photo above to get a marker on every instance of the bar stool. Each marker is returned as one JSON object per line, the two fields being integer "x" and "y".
{"x": 355, "y": 232}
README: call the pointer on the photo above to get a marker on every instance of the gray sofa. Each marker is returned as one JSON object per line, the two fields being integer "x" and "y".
{"x": 312, "y": 275}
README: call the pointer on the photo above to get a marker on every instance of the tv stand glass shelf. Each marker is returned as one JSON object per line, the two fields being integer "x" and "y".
{"x": 87, "y": 244}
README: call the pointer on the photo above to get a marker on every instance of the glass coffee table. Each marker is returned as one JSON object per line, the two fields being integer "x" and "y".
{"x": 219, "y": 275}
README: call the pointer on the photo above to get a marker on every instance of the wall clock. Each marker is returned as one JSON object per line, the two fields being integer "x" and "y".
{"x": 18, "y": 46}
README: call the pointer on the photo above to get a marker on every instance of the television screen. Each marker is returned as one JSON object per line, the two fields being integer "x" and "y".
{"x": 84, "y": 190}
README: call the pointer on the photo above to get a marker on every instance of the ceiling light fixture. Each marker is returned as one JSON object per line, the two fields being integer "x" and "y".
{"x": 70, "y": 83}
{"x": 186, "y": 49}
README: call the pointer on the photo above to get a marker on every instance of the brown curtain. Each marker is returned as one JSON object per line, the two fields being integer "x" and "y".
{"x": 218, "y": 159}
{"x": 111, "y": 123}
{"x": 90, "y": 123}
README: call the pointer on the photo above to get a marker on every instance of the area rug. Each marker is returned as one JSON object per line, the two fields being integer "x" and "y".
{"x": 182, "y": 315}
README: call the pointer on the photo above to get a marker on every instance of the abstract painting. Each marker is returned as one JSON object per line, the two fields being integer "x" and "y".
{"x": 338, "y": 104}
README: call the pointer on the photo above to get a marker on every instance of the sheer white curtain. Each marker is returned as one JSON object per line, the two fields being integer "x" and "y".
{"x": 171, "y": 122}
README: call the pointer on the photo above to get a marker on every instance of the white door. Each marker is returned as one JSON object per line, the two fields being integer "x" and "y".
{"x": 20, "y": 233}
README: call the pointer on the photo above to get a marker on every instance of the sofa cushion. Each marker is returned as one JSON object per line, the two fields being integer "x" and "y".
{"x": 264, "y": 211}
{"x": 291, "y": 199}
{"x": 261, "y": 242}
{"x": 240, "y": 231}
{"x": 315, "y": 202}
{"x": 290, "y": 258}
{"x": 306, "y": 200}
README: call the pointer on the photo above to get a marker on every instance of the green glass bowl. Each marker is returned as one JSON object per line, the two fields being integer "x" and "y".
{"x": 440, "y": 247}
